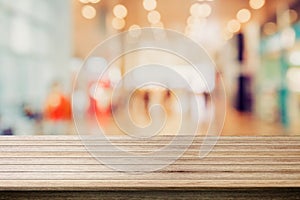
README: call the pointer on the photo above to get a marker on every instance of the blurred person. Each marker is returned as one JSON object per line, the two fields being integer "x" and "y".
{"x": 167, "y": 100}
{"x": 30, "y": 113}
{"x": 146, "y": 99}
{"x": 35, "y": 117}
{"x": 4, "y": 129}
{"x": 100, "y": 101}
{"x": 57, "y": 111}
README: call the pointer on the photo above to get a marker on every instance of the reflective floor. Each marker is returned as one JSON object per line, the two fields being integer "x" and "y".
{"x": 166, "y": 122}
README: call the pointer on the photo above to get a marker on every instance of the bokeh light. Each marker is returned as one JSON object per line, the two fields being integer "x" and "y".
{"x": 243, "y": 15}
{"x": 149, "y": 4}
{"x": 120, "y": 11}
{"x": 154, "y": 17}
{"x": 118, "y": 23}
{"x": 256, "y": 4}
{"x": 233, "y": 26}
{"x": 88, "y": 12}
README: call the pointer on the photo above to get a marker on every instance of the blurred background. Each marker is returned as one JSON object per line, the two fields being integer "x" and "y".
{"x": 43, "y": 43}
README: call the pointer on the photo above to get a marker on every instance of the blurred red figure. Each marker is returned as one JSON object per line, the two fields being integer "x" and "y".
{"x": 100, "y": 100}
{"x": 58, "y": 107}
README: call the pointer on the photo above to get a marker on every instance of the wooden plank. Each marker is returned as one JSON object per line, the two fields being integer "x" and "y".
{"x": 147, "y": 148}
{"x": 182, "y": 161}
{"x": 151, "y": 142}
{"x": 165, "y": 154}
{"x": 63, "y": 162}
{"x": 158, "y": 138}
{"x": 140, "y": 184}
{"x": 171, "y": 176}
{"x": 172, "y": 168}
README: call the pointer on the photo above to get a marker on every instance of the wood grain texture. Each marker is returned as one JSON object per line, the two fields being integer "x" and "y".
{"x": 63, "y": 163}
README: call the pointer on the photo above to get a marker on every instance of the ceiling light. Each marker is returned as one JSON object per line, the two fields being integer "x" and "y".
{"x": 158, "y": 25}
{"x": 84, "y": 1}
{"x": 227, "y": 35}
{"x": 120, "y": 11}
{"x": 135, "y": 30}
{"x": 134, "y": 26}
{"x": 233, "y": 26}
{"x": 153, "y": 17}
{"x": 200, "y": 10}
{"x": 194, "y": 9}
{"x": 257, "y": 4}
{"x": 118, "y": 23}
{"x": 243, "y": 15}
{"x": 195, "y": 20}
{"x": 149, "y": 4}
{"x": 204, "y": 10}
{"x": 204, "y": 0}
{"x": 94, "y": 1}
{"x": 88, "y": 12}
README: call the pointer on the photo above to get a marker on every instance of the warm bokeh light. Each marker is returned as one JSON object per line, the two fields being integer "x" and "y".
{"x": 134, "y": 30}
{"x": 88, "y": 12}
{"x": 194, "y": 9}
{"x": 89, "y": 1}
{"x": 120, "y": 11}
{"x": 290, "y": 15}
{"x": 84, "y": 1}
{"x": 149, "y": 4}
{"x": 118, "y": 23}
{"x": 154, "y": 17}
{"x": 269, "y": 28}
{"x": 195, "y": 20}
{"x": 198, "y": 23}
{"x": 233, "y": 26}
{"x": 95, "y": 1}
{"x": 134, "y": 26}
{"x": 200, "y": 10}
{"x": 227, "y": 35}
{"x": 158, "y": 25}
{"x": 255, "y": 45}
{"x": 204, "y": 10}
{"x": 256, "y": 4}
{"x": 243, "y": 15}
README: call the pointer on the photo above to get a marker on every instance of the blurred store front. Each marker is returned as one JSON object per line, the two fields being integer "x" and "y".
{"x": 44, "y": 44}
{"x": 35, "y": 48}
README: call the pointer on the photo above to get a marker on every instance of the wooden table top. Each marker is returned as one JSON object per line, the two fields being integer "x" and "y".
{"x": 62, "y": 162}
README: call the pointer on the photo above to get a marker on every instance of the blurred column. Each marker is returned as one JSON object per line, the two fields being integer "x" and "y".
{"x": 252, "y": 61}
{"x": 285, "y": 42}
